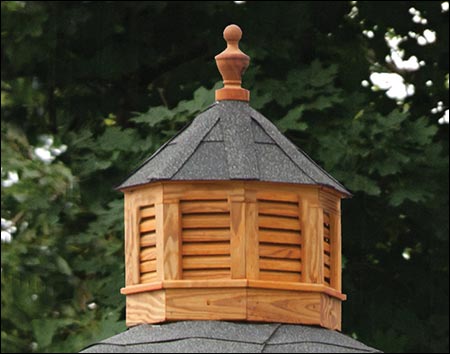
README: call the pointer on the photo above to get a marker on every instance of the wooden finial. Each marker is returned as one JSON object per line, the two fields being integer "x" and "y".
{"x": 232, "y": 63}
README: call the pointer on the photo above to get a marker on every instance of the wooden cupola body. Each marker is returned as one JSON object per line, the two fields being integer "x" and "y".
{"x": 231, "y": 221}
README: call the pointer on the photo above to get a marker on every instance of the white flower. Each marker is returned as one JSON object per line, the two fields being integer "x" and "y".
{"x": 365, "y": 83}
{"x": 12, "y": 179}
{"x": 6, "y": 237}
{"x": 429, "y": 35}
{"x": 393, "y": 83}
{"x": 406, "y": 254}
{"x": 44, "y": 154}
{"x": 421, "y": 40}
{"x": 369, "y": 34}
{"x": 444, "y": 119}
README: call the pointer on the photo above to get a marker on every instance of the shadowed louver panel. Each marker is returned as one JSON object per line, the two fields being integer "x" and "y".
{"x": 326, "y": 249}
{"x": 205, "y": 237}
{"x": 147, "y": 231}
{"x": 279, "y": 240}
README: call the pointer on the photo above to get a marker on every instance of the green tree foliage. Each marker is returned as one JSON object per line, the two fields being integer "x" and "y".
{"x": 111, "y": 81}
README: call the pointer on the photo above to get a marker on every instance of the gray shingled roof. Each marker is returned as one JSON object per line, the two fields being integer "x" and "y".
{"x": 230, "y": 141}
{"x": 228, "y": 337}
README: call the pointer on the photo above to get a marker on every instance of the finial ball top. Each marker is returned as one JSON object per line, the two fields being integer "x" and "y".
{"x": 232, "y": 33}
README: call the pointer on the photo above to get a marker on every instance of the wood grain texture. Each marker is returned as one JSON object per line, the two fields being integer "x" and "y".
{"x": 271, "y": 193}
{"x": 148, "y": 240}
{"x": 210, "y": 274}
{"x": 171, "y": 242}
{"x": 326, "y": 271}
{"x": 210, "y": 283}
{"x": 206, "y": 235}
{"x": 336, "y": 258}
{"x": 280, "y": 265}
{"x": 303, "y": 287}
{"x": 206, "y": 304}
{"x": 279, "y": 236}
{"x": 148, "y": 254}
{"x": 280, "y": 223}
{"x": 148, "y": 307}
{"x": 149, "y": 277}
{"x": 141, "y": 288}
{"x": 132, "y": 240}
{"x": 147, "y": 225}
{"x": 268, "y": 236}
{"x": 329, "y": 201}
{"x": 148, "y": 211}
{"x": 204, "y": 206}
{"x": 278, "y": 208}
{"x": 205, "y": 262}
{"x": 160, "y": 210}
{"x": 251, "y": 240}
{"x": 206, "y": 248}
{"x": 280, "y": 276}
{"x": 283, "y": 306}
{"x": 326, "y": 259}
{"x": 312, "y": 247}
{"x": 193, "y": 190}
{"x": 237, "y": 230}
{"x": 209, "y": 221}
{"x": 330, "y": 311}
{"x": 148, "y": 266}
{"x": 276, "y": 251}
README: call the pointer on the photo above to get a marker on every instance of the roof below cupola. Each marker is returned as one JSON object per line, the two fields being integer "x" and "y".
{"x": 228, "y": 337}
{"x": 231, "y": 141}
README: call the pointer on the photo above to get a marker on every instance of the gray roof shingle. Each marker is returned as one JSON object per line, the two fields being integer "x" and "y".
{"x": 230, "y": 141}
{"x": 228, "y": 337}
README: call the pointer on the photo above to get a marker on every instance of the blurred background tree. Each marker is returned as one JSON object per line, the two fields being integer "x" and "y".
{"x": 89, "y": 89}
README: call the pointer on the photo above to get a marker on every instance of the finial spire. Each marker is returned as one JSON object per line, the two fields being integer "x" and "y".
{"x": 232, "y": 63}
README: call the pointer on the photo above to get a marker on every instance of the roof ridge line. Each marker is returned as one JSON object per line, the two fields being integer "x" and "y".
{"x": 183, "y": 338}
{"x": 238, "y": 143}
{"x": 341, "y": 188}
{"x": 323, "y": 170}
{"x": 195, "y": 149}
{"x": 275, "y": 330}
{"x": 264, "y": 344}
{"x": 284, "y": 152}
{"x": 163, "y": 146}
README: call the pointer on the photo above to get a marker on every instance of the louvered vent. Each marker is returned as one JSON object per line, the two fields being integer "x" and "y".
{"x": 147, "y": 226}
{"x": 205, "y": 239}
{"x": 279, "y": 240}
{"x": 326, "y": 249}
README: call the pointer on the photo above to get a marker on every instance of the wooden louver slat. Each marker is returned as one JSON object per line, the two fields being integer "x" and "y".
{"x": 147, "y": 232}
{"x": 205, "y": 238}
{"x": 279, "y": 239}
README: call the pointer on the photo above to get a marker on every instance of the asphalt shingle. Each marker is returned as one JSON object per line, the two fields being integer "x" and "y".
{"x": 230, "y": 141}
{"x": 228, "y": 337}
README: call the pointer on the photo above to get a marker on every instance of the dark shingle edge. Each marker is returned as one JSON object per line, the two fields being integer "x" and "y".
{"x": 265, "y": 347}
{"x": 293, "y": 151}
{"x": 245, "y": 332}
{"x": 161, "y": 148}
{"x": 235, "y": 122}
{"x": 285, "y": 153}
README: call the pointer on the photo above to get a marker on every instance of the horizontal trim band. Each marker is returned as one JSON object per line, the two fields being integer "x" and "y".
{"x": 233, "y": 283}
